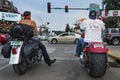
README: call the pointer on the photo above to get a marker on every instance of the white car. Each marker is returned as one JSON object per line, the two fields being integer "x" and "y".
{"x": 64, "y": 37}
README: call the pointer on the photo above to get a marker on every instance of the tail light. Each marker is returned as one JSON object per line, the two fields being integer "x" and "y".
{"x": 86, "y": 49}
{"x": 108, "y": 35}
{"x": 14, "y": 51}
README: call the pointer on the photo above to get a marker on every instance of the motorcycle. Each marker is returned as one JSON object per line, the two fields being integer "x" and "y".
{"x": 22, "y": 53}
{"x": 94, "y": 58}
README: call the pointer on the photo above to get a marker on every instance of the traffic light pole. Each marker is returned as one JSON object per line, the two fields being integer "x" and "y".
{"x": 73, "y": 8}
{"x": 66, "y": 8}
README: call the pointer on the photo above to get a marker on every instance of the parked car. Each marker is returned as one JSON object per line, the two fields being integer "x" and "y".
{"x": 111, "y": 36}
{"x": 4, "y": 38}
{"x": 64, "y": 37}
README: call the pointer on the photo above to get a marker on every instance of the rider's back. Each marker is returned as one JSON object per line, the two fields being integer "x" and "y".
{"x": 93, "y": 29}
{"x": 28, "y": 22}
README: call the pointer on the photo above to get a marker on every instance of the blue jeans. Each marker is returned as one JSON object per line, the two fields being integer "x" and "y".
{"x": 79, "y": 46}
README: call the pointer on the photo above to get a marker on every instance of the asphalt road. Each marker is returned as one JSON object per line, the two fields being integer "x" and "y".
{"x": 67, "y": 67}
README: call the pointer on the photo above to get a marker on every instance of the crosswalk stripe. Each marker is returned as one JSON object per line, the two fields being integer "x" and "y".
{"x": 3, "y": 67}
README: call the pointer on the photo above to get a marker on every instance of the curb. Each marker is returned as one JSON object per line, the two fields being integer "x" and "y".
{"x": 114, "y": 55}
{"x": 114, "y": 59}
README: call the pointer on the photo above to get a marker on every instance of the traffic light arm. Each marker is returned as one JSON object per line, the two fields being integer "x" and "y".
{"x": 66, "y": 8}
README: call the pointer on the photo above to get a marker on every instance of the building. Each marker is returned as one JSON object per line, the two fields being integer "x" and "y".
{"x": 7, "y": 6}
{"x": 8, "y": 15}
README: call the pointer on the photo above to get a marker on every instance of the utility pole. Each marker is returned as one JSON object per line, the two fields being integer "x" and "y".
{"x": 103, "y": 5}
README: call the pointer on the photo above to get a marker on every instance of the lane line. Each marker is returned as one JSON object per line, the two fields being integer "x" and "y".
{"x": 3, "y": 67}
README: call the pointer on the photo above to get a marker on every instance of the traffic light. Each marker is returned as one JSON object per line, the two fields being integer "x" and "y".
{"x": 66, "y": 8}
{"x": 49, "y": 7}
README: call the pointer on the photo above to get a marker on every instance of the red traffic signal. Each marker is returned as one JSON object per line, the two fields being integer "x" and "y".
{"x": 66, "y": 8}
{"x": 49, "y": 7}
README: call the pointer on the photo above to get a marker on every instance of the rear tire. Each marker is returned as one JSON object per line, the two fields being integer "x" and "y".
{"x": 115, "y": 41}
{"x": 39, "y": 55}
{"x": 97, "y": 64}
{"x": 21, "y": 67}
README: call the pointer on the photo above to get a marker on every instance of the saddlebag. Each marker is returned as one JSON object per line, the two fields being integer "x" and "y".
{"x": 6, "y": 50}
{"x": 30, "y": 48}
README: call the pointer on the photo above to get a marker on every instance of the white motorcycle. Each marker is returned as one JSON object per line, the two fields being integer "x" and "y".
{"x": 22, "y": 53}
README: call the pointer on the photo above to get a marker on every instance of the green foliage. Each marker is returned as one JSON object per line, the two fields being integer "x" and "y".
{"x": 110, "y": 24}
{"x": 112, "y": 4}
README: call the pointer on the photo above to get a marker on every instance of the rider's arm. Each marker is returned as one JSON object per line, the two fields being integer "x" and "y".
{"x": 35, "y": 28}
{"x": 82, "y": 26}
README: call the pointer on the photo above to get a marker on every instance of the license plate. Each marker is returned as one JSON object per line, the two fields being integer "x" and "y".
{"x": 98, "y": 45}
{"x": 16, "y": 42}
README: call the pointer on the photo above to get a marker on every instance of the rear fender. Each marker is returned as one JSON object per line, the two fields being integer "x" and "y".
{"x": 15, "y": 58}
{"x": 97, "y": 47}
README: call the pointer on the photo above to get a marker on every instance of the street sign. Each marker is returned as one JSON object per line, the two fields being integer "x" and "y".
{"x": 57, "y": 8}
{"x": 96, "y": 9}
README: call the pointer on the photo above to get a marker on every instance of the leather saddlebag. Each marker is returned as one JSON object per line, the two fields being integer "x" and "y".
{"x": 6, "y": 50}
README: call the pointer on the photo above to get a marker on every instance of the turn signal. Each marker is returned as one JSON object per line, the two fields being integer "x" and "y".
{"x": 85, "y": 49}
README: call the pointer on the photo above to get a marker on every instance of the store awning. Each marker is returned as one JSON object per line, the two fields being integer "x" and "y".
{"x": 111, "y": 15}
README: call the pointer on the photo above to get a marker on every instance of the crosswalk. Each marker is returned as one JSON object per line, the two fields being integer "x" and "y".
{"x": 50, "y": 50}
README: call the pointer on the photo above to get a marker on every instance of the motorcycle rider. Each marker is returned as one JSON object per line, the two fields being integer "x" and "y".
{"x": 93, "y": 31}
{"x": 27, "y": 20}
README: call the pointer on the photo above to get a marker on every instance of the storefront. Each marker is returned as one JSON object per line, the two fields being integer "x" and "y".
{"x": 7, "y": 20}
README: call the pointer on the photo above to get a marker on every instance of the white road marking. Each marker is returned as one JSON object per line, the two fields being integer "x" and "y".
{"x": 65, "y": 58}
{"x": 3, "y": 67}
{"x": 51, "y": 50}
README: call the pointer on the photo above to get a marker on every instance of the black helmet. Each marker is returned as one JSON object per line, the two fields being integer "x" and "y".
{"x": 92, "y": 14}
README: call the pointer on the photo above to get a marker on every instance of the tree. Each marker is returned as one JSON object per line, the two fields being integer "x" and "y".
{"x": 67, "y": 28}
{"x": 112, "y": 4}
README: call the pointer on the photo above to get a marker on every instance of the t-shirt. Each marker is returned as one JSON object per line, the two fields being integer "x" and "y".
{"x": 93, "y": 30}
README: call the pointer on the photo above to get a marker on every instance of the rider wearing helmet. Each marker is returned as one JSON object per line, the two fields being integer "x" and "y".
{"x": 93, "y": 31}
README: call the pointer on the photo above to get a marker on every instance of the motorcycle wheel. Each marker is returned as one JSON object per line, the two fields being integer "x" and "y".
{"x": 39, "y": 55}
{"x": 97, "y": 64}
{"x": 21, "y": 67}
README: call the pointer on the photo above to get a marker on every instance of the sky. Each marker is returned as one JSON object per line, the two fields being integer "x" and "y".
{"x": 57, "y": 18}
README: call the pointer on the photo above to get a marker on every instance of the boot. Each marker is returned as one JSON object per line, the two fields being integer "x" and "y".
{"x": 51, "y": 62}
